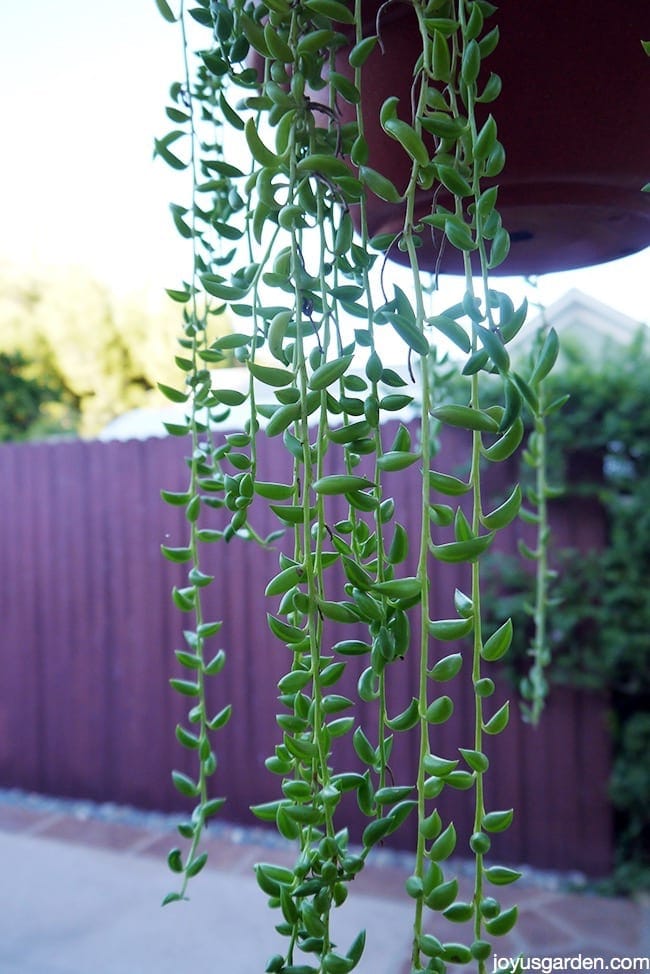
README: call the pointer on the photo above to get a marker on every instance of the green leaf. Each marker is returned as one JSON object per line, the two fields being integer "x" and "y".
{"x": 439, "y": 767}
{"x": 546, "y": 358}
{"x": 196, "y": 865}
{"x": 174, "y": 395}
{"x": 465, "y": 417}
{"x": 459, "y": 551}
{"x": 446, "y": 484}
{"x": 409, "y": 332}
{"x": 376, "y": 831}
{"x": 407, "y": 719}
{"x": 452, "y": 180}
{"x": 184, "y": 737}
{"x": 501, "y": 875}
{"x": 399, "y": 588}
{"x": 446, "y": 668}
{"x": 341, "y": 484}
{"x": 215, "y": 286}
{"x": 259, "y": 151}
{"x": 497, "y": 821}
{"x": 362, "y": 51}
{"x": 503, "y": 923}
{"x": 398, "y": 551}
{"x": 271, "y": 375}
{"x": 499, "y": 721}
{"x": 344, "y": 87}
{"x": 492, "y": 89}
{"x": 267, "y": 811}
{"x": 505, "y": 513}
{"x": 499, "y": 643}
{"x": 178, "y": 555}
{"x": 442, "y": 895}
{"x": 454, "y": 953}
{"x": 351, "y": 647}
{"x": 285, "y": 580}
{"x": 315, "y": 40}
{"x": 499, "y": 248}
{"x": 379, "y": 184}
{"x": 392, "y": 793}
{"x": 440, "y": 710}
{"x": 471, "y": 63}
{"x": 441, "y": 57}
{"x": 282, "y": 418}
{"x": 332, "y": 9}
{"x": 221, "y": 718}
{"x": 172, "y": 898}
{"x": 476, "y": 760}
{"x": 186, "y": 687}
{"x": 175, "y": 861}
{"x": 175, "y": 498}
{"x": 459, "y": 234}
{"x": 356, "y": 948}
{"x": 166, "y": 11}
{"x": 161, "y": 149}
{"x": 430, "y": 945}
{"x": 176, "y": 429}
{"x": 493, "y": 345}
{"x": 486, "y": 139}
{"x": 506, "y": 445}
{"x": 184, "y": 784}
{"x": 364, "y": 749}
{"x": 181, "y": 297}
{"x": 443, "y": 847}
{"x": 463, "y": 604}
{"x": 329, "y": 372}
{"x": 452, "y": 330}
{"x": 450, "y": 629}
{"x": 324, "y": 165}
{"x": 458, "y": 913}
{"x": 396, "y": 460}
{"x": 408, "y": 138}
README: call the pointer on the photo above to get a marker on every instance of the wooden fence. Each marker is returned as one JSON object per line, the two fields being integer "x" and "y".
{"x": 87, "y": 633}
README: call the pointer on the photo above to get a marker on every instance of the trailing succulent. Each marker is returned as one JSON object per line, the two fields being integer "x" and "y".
{"x": 275, "y": 177}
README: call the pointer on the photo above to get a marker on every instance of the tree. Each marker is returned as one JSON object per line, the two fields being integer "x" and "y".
{"x": 26, "y": 401}
{"x": 105, "y": 355}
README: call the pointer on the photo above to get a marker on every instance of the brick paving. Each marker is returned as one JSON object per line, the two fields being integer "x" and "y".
{"x": 552, "y": 921}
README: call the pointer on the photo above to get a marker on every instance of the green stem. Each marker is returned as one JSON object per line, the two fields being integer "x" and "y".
{"x": 540, "y": 649}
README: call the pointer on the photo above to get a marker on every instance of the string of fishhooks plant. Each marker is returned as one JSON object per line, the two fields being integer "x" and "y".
{"x": 273, "y": 242}
{"x": 534, "y": 685}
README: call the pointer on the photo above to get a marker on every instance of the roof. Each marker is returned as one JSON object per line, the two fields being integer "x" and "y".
{"x": 142, "y": 423}
{"x": 580, "y": 317}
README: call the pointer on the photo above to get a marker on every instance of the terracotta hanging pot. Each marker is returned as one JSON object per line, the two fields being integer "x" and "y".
{"x": 573, "y": 116}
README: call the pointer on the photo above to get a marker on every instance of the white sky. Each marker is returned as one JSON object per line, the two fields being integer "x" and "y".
{"x": 83, "y": 87}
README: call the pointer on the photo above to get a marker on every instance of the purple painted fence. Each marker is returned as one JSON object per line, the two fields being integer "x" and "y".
{"x": 88, "y": 630}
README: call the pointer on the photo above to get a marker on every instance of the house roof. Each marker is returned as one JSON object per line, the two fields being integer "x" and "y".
{"x": 579, "y": 315}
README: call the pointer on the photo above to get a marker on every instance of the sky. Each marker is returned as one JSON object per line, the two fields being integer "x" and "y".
{"x": 83, "y": 88}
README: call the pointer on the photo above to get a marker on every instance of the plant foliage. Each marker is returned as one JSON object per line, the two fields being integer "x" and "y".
{"x": 24, "y": 397}
{"x": 274, "y": 176}
{"x": 597, "y": 638}
{"x": 98, "y": 354}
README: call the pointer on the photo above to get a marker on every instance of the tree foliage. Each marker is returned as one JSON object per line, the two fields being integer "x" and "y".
{"x": 30, "y": 405}
{"x": 102, "y": 354}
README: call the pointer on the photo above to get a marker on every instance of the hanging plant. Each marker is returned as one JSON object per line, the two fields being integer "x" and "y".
{"x": 279, "y": 181}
